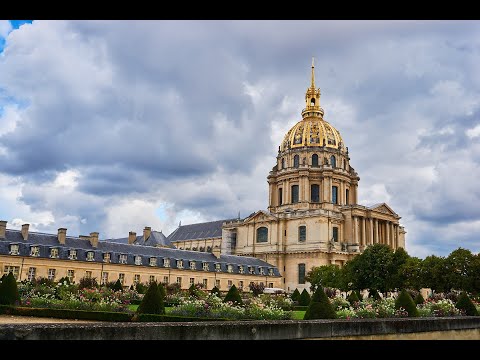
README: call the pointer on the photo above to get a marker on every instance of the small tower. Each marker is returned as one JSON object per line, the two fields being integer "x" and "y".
{"x": 312, "y": 99}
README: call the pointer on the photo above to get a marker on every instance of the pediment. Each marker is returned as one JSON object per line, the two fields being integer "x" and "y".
{"x": 383, "y": 208}
{"x": 260, "y": 216}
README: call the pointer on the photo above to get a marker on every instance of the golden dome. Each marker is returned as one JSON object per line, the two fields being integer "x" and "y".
{"x": 312, "y": 130}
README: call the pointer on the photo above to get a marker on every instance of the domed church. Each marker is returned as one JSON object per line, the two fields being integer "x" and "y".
{"x": 313, "y": 215}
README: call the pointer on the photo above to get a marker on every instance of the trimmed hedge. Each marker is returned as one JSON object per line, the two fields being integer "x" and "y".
{"x": 173, "y": 318}
{"x": 320, "y": 307}
{"x": 234, "y": 296}
{"x": 353, "y": 298}
{"x": 152, "y": 302}
{"x": 300, "y": 308}
{"x": 9, "y": 290}
{"x": 216, "y": 291}
{"x": 295, "y": 295}
{"x": 67, "y": 313}
{"x": 419, "y": 299}
{"x": 465, "y": 303}
{"x": 304, "y": 298}
{"x": 405, "y": 301}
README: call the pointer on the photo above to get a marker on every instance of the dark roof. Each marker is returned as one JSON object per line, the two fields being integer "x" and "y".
{"x": 47, "y": 241}
{"x": 156, "y": 238}
{"x": 206, "y": 230}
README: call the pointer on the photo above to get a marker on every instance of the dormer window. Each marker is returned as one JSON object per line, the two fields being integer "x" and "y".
{"x": 35, "y": 251}
{"x": 106, "y": 257}
{"x": 270, "y": 272}
{"x": 218, "y": 267}
{"x": 122, "y": 259}
{"x": 241, "y": 269}
{"x": 152, "y": 261}
{"x": 14, "y": 249}
{"x": 138, "y": 260}
{"x": 179, "y": 264}
{"x": 72, "y": 254}
{"x": 205, "y": 266}
{"x": 261, "y": 270}
{"x": 230, "y": 268}
{"x": 251, "y": 270}
{"x": 90, "y": 256}
{"x": 54, "y": 253}
{"x": 166, "y": 262}
{"x": 192, "y": 265}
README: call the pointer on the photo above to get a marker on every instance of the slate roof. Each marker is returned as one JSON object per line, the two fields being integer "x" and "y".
{"x": 47, "y": 241}
{"x": 206, "y": 230}
{"x": 156, "y": 238}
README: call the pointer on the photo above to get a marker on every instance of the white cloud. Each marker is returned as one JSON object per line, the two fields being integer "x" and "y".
{"x": 473, "y": 132}
{"x": 5, "y": 28}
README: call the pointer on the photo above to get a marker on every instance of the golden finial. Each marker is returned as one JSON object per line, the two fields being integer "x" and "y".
{"x": 313, "y": 73}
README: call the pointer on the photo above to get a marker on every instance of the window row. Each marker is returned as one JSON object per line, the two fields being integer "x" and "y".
{"x": 314, "y": 161}
{"x": 262, "y": 234}
{"x": 314, "y": 194}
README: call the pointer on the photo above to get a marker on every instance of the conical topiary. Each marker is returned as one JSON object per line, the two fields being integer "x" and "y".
{"x": 295, "y": 295}
{"x": 464, "y": 303}
{"x": 320, "y": 307}
{"x": 353, "y": 298}
{"x": 373, "y": 293}
{"x": 419, "y": 299}
{"x": 405, "y": 301}
{"x": 216, "y": 291}
{"x": 117, "y": 286}
{"x": 234, "y": 296}
{"x": 359, "y": 295}
{"x": 152, "y": 302}
{"x": 304, "y": 298}
{"x": 9, "y": 291}
{"x": 162, "y": 290}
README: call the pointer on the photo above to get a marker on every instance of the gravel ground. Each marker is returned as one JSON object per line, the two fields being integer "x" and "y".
{"x": 11, "y": 319}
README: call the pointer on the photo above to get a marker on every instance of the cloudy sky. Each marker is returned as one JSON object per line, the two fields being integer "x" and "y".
{"x": 113, "y": 126}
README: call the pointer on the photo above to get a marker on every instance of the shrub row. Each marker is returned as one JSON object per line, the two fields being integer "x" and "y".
{"x": 173, "y": 318}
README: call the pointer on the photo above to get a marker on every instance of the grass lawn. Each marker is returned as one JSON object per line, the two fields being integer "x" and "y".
{"x": 135, "y": 307}
{"x": 298, "y": 315}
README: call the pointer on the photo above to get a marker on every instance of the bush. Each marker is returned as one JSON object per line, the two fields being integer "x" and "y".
{"x": 162, "y": 290}
{"x": 353, "y": 298}
{"x": 373, "y": 293}
{"x": 464, "y": 303}
{"x": 216, "y": 291}
{"x": 295, "y": 295}
{"x": 419, "y": 299}
{"x": 234, "y": 296}
{"x": 152, "y": 302}
{"x": 87, "y": 283}
{"x": 330, "y": 292}
{"x": 173, "y": 288}
{"x": 304, "y": 299}
{"x": 141, "y": 288}
{"x": 256, "y": 289}
{"x": 64, "y": 281}
{"x": 359, "y": 295}
{"x": 9, "y": 291}
{"x": 117, "y": 286}
{"x": 406, "y": 302}
{"x": 452, "y": 296}
{"x": 320, "y": 307}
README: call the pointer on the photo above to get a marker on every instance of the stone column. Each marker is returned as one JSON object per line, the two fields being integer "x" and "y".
{"x": 364, "y": 232}
{"x": 308, "y": 196}
{"x": 286, "y": 192}
{"x": 370, "y": 230}
{"x": 355, "y": 229}
{"x": 387, "y": 231}
{"x": 376, "y": 241}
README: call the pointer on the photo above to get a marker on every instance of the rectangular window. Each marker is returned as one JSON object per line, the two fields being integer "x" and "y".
{"x": 230, "y": 268}
{"x": 166, "y": 262}
{"x": 302, "y": 233}
{"x": 335, "y": 234}
{"x": 165, "y": 280}
{"x": 192, "y": 265}
{"x": 347, "y": 193}
{"x": 179, "y": 264}
{"x": 218, "y": 267}
{"x": 12, "y": 269}
{"x": 280, "y": 196}
{"x": 35, "y": 251}
{"x": 270, "y": 272}
{"x": 151, "y": 278}
{"x": 122, "y": 259}
{"x": 14, "y": 249}
{"x": 104, "y": 278}
{"x": 315, "y": 193}
{"x": 106, "y": 257}
{"x": 241, "y": 269}
{"x": 261, "y": 270}
{"x": 301, "y": 273}
{"x": 294, "y": 194}
{"x": 217, "y": 284}
{"x": 136, "y": 278}
{"x": 152, "y": 261}
{"x": 179, "y": 280}
{"x": 71, "y": 275}
{"x": 240, "y": 285}
{"x": 229, "y": 284}
{"x": 90, "y": 256}
{"x": 88, "y": 274}
{"x": 72, "y": 254}
{"x": 334, "y": 194}
{"x": 205, "y": 266}
{"x": 121, "y": 277}
{"x": 205, "y": 283}
{"x": 54, "y": 253}
{"x": 31, "y": 273}
{"x": 192, "y": 281}
{"x": 270, "y": 285}
{"x": 51, "y": 274}
{"x": 251, "y": 270}
{"x": 138, "y": 260}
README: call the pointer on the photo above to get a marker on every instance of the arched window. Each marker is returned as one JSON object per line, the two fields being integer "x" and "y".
{"x": 302, "y": 233}
{"x": 314, "y": 193}
{"x": 334, "y": 194}
{"x": 296, "y": 161}
{"x": 262, "y": 234}
{"x": 283, "y": 163}
{"x": 335, "y": 234}
{"x": 312, "y": 102}
{"x": 294, "y": 194}
{"x": 333, "y": 161}
{"x": 314, "y": 160}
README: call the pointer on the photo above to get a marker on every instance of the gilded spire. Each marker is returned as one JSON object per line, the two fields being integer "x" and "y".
{"x": 313, "y": 74}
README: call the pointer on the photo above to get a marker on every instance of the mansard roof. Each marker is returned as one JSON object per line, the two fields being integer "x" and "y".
{"x": 156, "y": 238}
{"x": 205, "y": 230}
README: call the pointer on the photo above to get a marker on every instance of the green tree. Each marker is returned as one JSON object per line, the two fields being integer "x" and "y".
{"x": 162, "y": 290}
{"x": 419, "y": 299}
{"x": 397, "y": 279}
{"x": 304, "y": 298}
{"x": 325, "y": 276}
{"x": 432, "y": 273}
{"x": 295, "y": 295}
{"x": 464, "y": 303}
{"x": 411, "y": 273}
{"x": 460, "y": 267}
{"x": 152, "y": 302}
{"x": 216, "y": 291}
{"x": 320, "y": 307}
{"x": 9, "y": 291}
{"x": 234, "y": 296}
{"x": 404, "y": 300}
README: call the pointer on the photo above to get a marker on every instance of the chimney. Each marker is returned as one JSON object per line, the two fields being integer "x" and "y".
{"x": 62, "y": 234}
{"x": 146, "y": 232}
{"x": 94, "y": 239}
{"x": 132, "y": 236}
{"x": 25, "y": 231}
{"x": 3, "y": 228}
{"x": 216, "y": 251}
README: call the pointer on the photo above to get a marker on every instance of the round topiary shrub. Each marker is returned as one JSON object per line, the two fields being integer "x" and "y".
{"x": 152, "y": 302}
{"x": 304, "y": 298}
{"x": 216, "y": 291}
{"x": 464, "y": 303}
{"x": 320, "y": 307}
{"x": 295, "y": 295}
{"x": 419, "y": 299}
{"x": 405, "y": 301}
{"x": 353, "y": 297}
{"x": 9, "y": 291}
{"x": 234, "y": 296}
